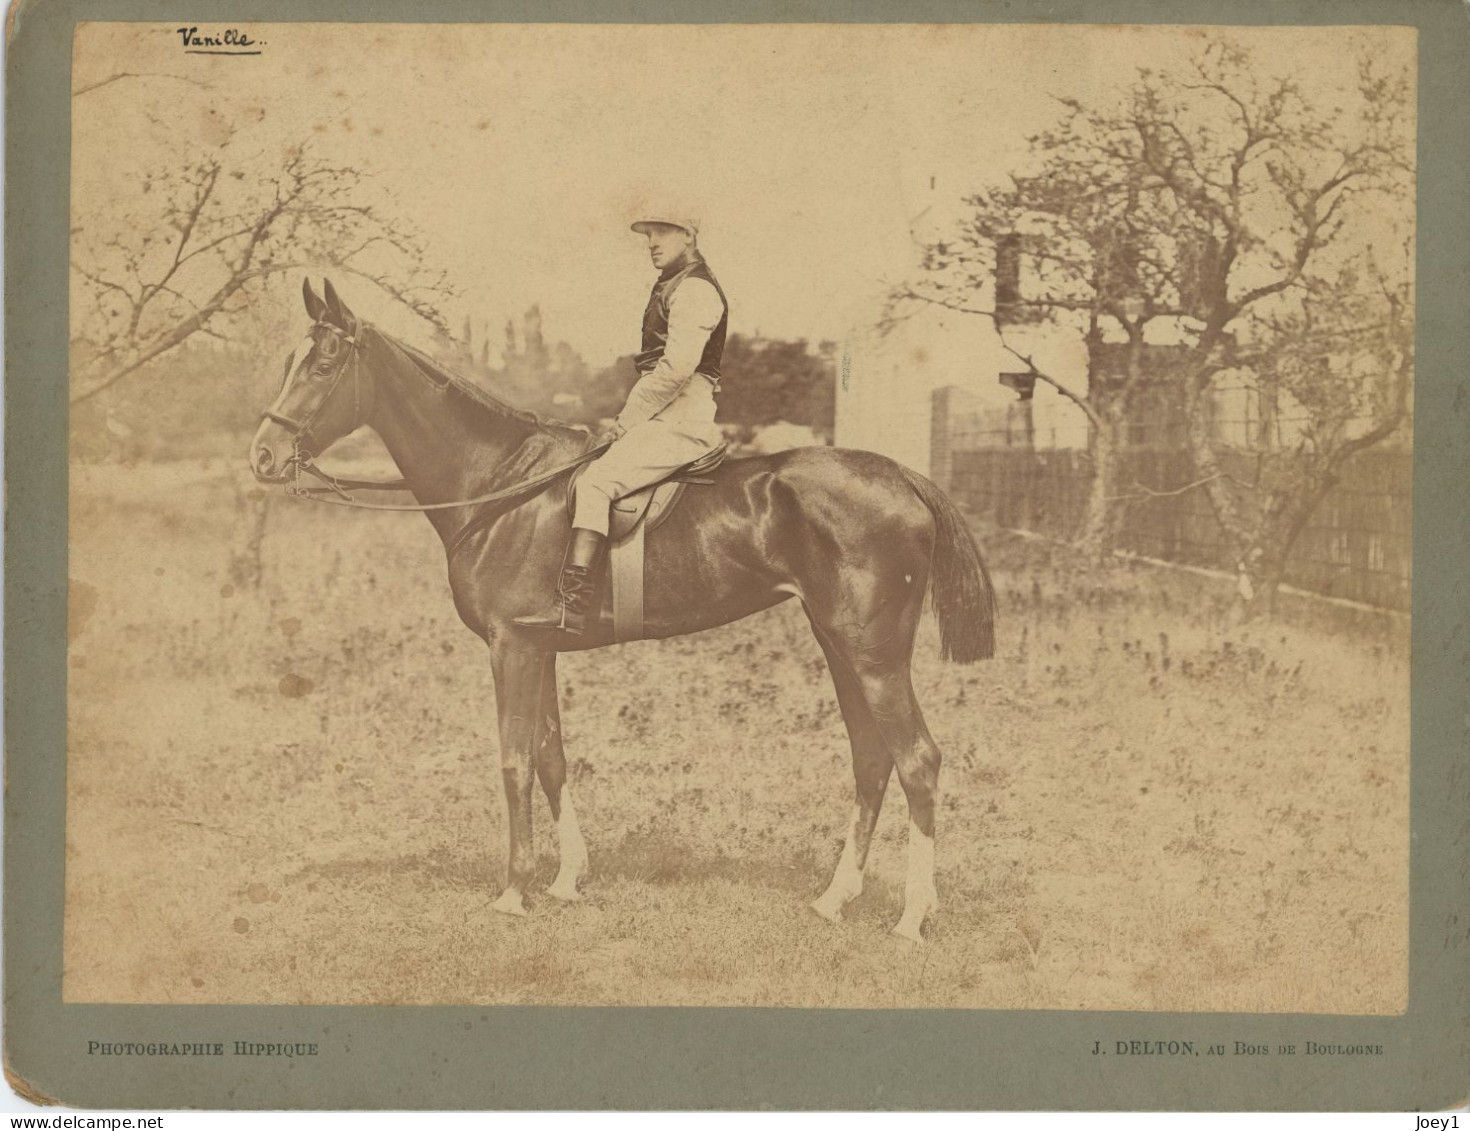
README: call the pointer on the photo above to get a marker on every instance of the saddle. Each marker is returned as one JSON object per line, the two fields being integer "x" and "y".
{"x": 630, "y": 521}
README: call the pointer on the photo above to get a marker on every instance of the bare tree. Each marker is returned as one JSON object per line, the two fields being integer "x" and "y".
{"x": 1335, "y": 379}
{"x": 185, "y": 251}
{"x": 1210, "y": 222}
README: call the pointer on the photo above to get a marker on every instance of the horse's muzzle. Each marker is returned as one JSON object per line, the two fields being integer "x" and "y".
{"x": 268, "y": 458}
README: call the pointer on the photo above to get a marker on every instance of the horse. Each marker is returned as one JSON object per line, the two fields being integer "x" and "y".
{"x": 857, "y": 538}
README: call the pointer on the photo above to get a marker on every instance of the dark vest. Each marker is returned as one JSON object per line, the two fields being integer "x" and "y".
{"x": 656, "y": 321}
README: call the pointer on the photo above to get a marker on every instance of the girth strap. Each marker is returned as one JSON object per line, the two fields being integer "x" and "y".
{"x": 625, "y": 563}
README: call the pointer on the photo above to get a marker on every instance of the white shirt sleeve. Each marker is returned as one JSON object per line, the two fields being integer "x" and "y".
{"x": 695, "y": 309}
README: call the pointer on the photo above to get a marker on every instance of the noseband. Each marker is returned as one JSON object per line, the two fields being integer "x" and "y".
{"x": 301, "y": 430}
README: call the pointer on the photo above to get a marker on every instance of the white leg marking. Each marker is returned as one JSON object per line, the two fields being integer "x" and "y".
{"x": 919, "y": 895}
{"x": 847, "y": 879}
{"x": 572, "y": 849}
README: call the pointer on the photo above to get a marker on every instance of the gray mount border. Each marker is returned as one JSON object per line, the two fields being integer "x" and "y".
{"x": 572, "y": 1058}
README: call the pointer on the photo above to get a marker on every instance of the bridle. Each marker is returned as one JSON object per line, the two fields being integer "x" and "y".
{"x": 301, "y": 457}
{"x": 335, "y": 489}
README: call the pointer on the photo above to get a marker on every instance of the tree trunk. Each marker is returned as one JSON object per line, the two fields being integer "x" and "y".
{"x": 1111, "y": 400}
{"x": 1247, "y": 557}
{"x": 1258, "y": 572}
{"x": 1268, "y": 586}
{"x": 1284, "y": 524}
{"x": 1096, "y": 539}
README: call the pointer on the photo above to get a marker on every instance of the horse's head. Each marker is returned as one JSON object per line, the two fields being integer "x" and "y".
{"x": 324, "y": 393}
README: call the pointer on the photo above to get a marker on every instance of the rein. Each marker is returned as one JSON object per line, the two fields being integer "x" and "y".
{"x": 339, "y": 487}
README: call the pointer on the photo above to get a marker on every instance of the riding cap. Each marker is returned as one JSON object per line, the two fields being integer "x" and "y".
{"x": 690, "y": 226}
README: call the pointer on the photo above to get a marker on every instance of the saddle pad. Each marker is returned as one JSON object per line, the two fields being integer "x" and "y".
{"x": 656, "y": 501}
{"x": 643, "y": 510}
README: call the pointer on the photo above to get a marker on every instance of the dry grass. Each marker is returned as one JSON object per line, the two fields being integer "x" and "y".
{"x": 283, "y": 787}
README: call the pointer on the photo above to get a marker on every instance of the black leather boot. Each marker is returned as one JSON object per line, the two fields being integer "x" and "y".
{"x": 577, "y": 589}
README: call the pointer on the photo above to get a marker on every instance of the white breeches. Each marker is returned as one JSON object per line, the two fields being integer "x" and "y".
{"x": 644, "y": 454}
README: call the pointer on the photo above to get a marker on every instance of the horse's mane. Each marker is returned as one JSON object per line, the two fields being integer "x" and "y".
{"x": 477, "y": 395}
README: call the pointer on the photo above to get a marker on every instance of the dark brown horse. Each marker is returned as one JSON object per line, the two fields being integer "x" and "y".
{"x": 855, "y": 537}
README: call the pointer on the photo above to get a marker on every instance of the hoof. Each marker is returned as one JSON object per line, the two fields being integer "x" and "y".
{"x": 828, "y": 909}
{"x": 917, "y": 908}
{"x": 511, "y": 902}
{"x": 566, "y": 893}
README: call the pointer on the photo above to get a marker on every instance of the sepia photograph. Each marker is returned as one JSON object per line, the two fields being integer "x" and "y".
{"x": 917, "y": 516}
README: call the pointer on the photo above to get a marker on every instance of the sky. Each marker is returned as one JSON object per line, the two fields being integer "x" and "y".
{"x": 523, "y": 152}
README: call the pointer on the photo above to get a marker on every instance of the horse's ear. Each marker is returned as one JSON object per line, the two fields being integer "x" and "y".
{"x": 315, "y": 307}
{"x": 338, "y": 309}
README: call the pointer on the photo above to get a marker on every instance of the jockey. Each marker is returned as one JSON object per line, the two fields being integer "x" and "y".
{"x": 669, "y": 418}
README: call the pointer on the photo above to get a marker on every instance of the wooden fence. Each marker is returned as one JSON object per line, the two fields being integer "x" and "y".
{"x": 1356, "y": 546}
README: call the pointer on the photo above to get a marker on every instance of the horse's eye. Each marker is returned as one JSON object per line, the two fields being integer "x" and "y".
{"x": 322, "y": 368}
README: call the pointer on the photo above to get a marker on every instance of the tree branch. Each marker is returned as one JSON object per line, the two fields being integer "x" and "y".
{"x": 1093, "y": 417}
{"x": 1149, "y": 493}
{"x": 184, "y": 329}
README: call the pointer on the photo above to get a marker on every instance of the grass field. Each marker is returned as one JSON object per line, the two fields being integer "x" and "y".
{"x": 284, "y": 786}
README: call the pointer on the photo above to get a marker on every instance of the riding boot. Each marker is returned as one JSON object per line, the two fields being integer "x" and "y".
{"x": 577, "y": 589}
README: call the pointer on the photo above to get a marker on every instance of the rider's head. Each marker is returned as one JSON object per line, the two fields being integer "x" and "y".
{"x": 670, "y": 241}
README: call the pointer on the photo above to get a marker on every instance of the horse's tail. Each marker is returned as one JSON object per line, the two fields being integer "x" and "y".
{"x": 959, "y": 585}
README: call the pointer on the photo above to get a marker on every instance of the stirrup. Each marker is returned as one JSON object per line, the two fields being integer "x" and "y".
{"x": 574, "y": 596}
{"x": 557, "y": 619}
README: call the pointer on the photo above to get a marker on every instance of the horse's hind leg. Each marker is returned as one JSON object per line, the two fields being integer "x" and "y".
{"x": 551, "y": 768}
{"x": 871, "y": 768}
{"x": 889, "y": 694}
{"x": 917, "y": 758}
{"x": 875, "y": 644}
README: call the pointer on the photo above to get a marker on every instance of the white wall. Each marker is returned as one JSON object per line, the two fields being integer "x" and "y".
{"x": 885, "y": 381}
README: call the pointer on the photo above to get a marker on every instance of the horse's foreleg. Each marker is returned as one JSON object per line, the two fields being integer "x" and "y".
{"x": 551, "y": 768}
{"x": 518, "y": 698}
{"x": 871, "y": 767}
